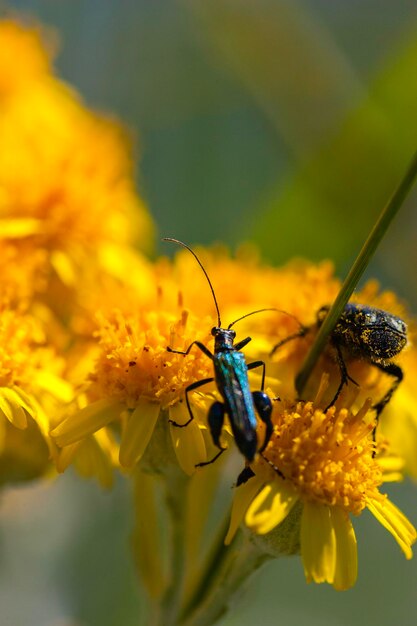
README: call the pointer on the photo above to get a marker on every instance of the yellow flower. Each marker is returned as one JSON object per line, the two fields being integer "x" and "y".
{"x": 299, "y": 291}
{"x": 24, "y": 57}
{"x": 135, "y": 381}
{"x": 22, "y": 275}
{"x": 145, "y": 314}
{"x": 66, "y": 175}
{"x": 31, "y": 390}
{"x": 129, "y": 289}
{"x": 324, "y": 461}
{"x": 135, "y": 373}
{"x": 244, "y": 283}
{"x": 58, "y": 159}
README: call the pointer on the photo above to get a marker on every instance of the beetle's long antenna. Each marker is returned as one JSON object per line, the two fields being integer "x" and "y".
{"x": 261, "y": 311}
{"x": 184, "y": 245}
{"x": 247, "y": 315}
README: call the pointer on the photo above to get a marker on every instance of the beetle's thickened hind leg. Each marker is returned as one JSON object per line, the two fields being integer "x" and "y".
{"x": 396, "y": 372}
{"x": 191, "y": 387}
{"x": 215, "y": 420}
{"x": 344, "y": 376}
{"x": 263, "y": 407}
{"x": 262, "y": 404}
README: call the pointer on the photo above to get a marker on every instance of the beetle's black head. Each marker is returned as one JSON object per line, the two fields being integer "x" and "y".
{"x": 223, "y": 338}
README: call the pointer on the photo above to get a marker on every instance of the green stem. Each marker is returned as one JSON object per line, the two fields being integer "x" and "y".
{"x": 358, "y": 268}
{"x": 214, "y": 561}
{"x": 239, "y": 561}
{"x": 175, "y": 499}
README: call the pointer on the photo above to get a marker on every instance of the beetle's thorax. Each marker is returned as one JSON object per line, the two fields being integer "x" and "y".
{"x": 223, "y": 338}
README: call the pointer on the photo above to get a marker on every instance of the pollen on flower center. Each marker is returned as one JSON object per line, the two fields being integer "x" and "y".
{"x": 327, "y": 456}
{"x": 134, "y": 362}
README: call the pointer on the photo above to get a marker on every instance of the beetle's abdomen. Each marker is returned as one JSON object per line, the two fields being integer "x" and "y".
{"x": 231, "y": 375}
{"x": 370, "y": 333}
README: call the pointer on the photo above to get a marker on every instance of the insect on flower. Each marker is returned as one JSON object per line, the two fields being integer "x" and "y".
{"x": 231, "y": 376}
{"x": 367, "y": 333}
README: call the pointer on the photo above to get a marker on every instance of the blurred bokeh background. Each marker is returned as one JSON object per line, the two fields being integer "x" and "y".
{"x": 287, "y": 123}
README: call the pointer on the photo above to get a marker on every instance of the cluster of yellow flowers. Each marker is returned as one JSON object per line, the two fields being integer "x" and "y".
{"x": 86, "y": 319}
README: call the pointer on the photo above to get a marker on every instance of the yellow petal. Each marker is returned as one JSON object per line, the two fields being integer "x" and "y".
{"x": 54, "y": 385}
{"x": 137, "y": 432}
{"x": 318, "y": 543}
{"x": 95, "y": 456}
{"x": 271, "y": 506}
{"x": 108, "y": 444}
{"x": 25, "y": 401}
{"x": 346, "y": 550}
{"x": 91, "y": 461}
{"x": 40, "y": 417}
{"x": 393, "y": 477}
{"x": 19, "y": 227}
{"x": 395, "y": 522}
{"x": 64, "y": 267}
{"x": 243, "y": 496}
{"x": 65, "y": 456}
{"x": 188, "y": 442}
{"x": 86, "y": 421}
{"x": 11, "y": 407}
{"x": 390, "y": 464}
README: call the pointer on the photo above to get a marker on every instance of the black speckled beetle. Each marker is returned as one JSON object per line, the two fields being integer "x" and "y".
{"x": 367, "y": 333}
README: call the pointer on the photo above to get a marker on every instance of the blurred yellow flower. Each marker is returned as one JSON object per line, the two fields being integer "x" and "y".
{"x": 25, "y": 53}
{"x": 31, "y": 390}
{"x": 22, "y": 275}
{"x": 66, "y": 174}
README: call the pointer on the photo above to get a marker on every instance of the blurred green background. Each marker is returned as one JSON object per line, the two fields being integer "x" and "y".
{"x": 285, "y": 123}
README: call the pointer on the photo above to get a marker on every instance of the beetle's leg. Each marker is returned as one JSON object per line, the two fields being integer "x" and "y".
{"x": 262, "y": 404}
{"x": 392, "y": 370}
{"x": 300, "y": 333}
{"x": 274, "y": 467}
{"x": 216, "y": 456}
{"x": 187, "y": 351}
{"x": 263, "y": 407}
{"x": 255, "y": 364}
{"x": 344, "y": 376}
{"x": 196, "y": 385}
{"x": 245, "y": 475}
{"x": 215, "y": 420}
{"x": 242, "y": 343}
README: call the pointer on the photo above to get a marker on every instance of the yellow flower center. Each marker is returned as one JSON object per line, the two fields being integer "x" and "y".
{"x": 134, "y": 362}
{"x": 327, "y": 456}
